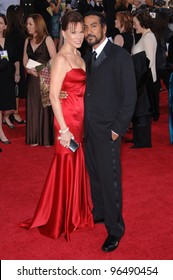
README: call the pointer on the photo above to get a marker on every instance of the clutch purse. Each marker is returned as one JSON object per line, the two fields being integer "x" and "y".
{"x": 16, "y": 90}
{"x": 73, "y": 145}
{"x": 32, "y": 63}
{"x": 44, "y": 75}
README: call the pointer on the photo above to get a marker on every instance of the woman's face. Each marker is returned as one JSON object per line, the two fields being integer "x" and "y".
{"x": 30, "y": 25}
{"x": 117, "y": 23}
{"x": 74, "y": 35}
{"x": 137, "y": 26}
{"x": 3, "y": 26}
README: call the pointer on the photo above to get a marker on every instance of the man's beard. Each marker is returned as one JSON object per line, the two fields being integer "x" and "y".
{"x": 95, "y": 42}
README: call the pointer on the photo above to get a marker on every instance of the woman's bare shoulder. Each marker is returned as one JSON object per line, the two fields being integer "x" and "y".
{"x": 60, "y": 57}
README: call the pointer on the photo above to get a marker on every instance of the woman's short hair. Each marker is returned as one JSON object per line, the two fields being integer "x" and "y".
{"x": 126, "y": 20}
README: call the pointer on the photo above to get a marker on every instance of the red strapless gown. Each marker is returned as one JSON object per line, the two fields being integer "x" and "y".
{"x": 64, "y": 205}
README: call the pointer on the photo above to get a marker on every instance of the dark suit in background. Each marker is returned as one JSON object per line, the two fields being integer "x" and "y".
{"x": 109, "y": 105}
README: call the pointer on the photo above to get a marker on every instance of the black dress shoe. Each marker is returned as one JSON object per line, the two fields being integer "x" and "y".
{"x": 110, "y": 244}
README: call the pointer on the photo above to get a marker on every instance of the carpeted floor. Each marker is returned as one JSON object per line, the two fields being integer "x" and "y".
{"x": 147, "y": 201}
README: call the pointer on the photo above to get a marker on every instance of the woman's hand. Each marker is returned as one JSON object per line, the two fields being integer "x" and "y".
{"x": 17, "y": 78}
{"x": 65, "y": 138}
{"x": 32, "y": 71}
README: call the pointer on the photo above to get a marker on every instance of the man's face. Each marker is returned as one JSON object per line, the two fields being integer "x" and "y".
{"x": 93, "y": 31}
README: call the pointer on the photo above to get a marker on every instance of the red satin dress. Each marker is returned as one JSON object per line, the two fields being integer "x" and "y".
{"x": 64, "y": 205}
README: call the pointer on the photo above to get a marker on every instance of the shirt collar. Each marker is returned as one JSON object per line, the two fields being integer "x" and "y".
{"x": 101, "y": 47}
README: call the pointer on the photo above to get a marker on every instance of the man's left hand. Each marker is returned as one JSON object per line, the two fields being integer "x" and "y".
{"x": 114, "y": 136}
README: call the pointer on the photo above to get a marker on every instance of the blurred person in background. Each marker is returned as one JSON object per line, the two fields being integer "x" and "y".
{"x": 16, "y": 34}
{"x": 95, "y": 5}
{"x": 39, "y": 46}
{"x": 56, "y": 9}
{"x": 143, "y": 50}
{"x": 9, "y": 75}
{"x": 124, "y": 23}
{"x": 163, "y": 35}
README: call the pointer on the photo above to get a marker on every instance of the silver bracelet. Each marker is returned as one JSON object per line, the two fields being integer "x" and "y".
{"x": 64, "y": 131}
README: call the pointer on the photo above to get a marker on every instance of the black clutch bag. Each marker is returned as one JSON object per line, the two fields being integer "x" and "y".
{"x": 73, "y": 145}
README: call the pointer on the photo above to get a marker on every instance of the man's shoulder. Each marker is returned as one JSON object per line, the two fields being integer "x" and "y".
{"x": 119, "y": 51}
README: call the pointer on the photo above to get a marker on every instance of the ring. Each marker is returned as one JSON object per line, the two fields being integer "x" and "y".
{"x": 59, "y": 137}
{"x": 72, "y": 137}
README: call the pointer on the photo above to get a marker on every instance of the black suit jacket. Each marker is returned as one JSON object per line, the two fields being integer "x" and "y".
{"x": 110, "y": 96}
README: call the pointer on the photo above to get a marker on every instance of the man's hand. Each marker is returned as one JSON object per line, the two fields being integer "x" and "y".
{"x": 114, "y": 136}
{"x": 63, "y": 94}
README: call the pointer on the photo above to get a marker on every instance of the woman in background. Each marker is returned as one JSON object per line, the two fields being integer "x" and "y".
{"x": 124, "y": 23}
{"x": 40, "y": 47}
{"x": 55, "y": 20}
{"x": 144, "y": 56}
{"x": 16, "y": 34}
{"x": 9, "y": 75}
{"x": 163, "y": 36}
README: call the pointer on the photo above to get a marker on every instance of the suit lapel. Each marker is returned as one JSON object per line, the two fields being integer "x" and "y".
{"x": 100, "y": 59}
{"x": 102, "y": 56}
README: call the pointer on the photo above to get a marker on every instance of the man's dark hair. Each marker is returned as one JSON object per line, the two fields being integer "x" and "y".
{"x": 97, "y": 14}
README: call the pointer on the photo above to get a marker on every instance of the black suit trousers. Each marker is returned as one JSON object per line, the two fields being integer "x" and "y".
{"x": 104, "y": 168}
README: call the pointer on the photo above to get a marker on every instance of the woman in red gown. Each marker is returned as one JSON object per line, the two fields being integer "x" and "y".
{"x": 64, "y": 205}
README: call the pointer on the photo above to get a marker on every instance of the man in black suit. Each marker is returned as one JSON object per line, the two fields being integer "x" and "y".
{"x": 109, "y": 105}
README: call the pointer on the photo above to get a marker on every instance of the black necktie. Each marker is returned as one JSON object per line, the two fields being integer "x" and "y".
{"x": 93, "y": 60}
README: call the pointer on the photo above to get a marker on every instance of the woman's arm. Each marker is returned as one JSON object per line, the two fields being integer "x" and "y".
{"x": 25, "y": 61}
{"x": 150, "y": 45}
{"x": 17, "y": 71}
{"x": 50, "y": 46}
{"x": 58, "y": 71}
{"x": 118, "y": 40}
{"x": 57, "y": 7}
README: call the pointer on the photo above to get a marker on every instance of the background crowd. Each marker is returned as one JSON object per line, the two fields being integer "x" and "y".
{"x": 122, "y": 29}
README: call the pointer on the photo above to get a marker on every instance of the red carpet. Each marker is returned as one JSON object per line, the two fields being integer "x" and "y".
{"x": 147, "y": 200}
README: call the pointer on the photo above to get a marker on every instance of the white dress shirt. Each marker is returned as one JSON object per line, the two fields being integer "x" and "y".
{"x": 101, "y": 47}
